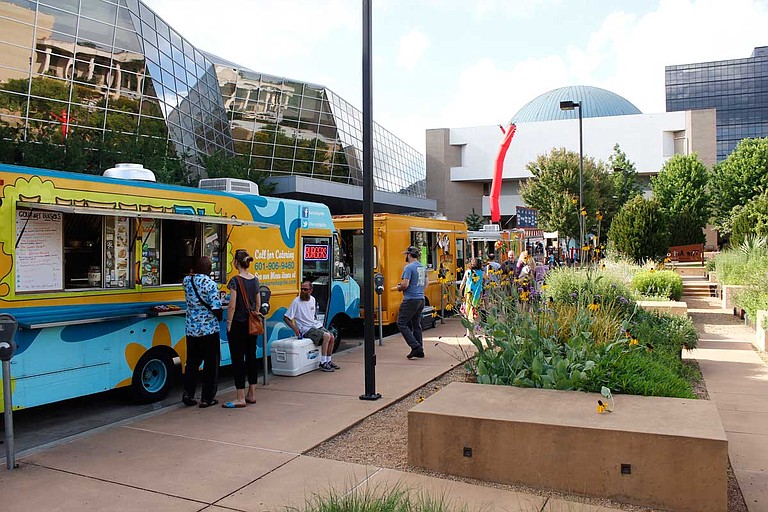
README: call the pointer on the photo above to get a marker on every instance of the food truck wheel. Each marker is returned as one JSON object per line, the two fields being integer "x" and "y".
{"x": 334, "y": 329}
{"x": 152, "y": 376}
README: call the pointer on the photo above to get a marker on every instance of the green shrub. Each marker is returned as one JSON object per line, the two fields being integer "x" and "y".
{"x": 639, "y": 231}
{"x": 743, "y": 266}
{"x": 574, "y": 341}
{"x": 752, "y": 219}
{"x": 752, "y": 299}
{"x": 659, "y": 283}
{"x": 571, "y": 286}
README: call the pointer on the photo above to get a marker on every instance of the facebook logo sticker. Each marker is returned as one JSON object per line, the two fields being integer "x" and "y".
{"x": 305, "y": 212}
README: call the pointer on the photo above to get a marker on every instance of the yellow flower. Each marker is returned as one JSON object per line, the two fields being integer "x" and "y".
{"x": 594, "y": 306}
{"x": 601, "y": 407}
{"x": 420, "y": 399}
{"x": 524, "y": 296}
{"x": 583, "y": 212}
{"x": 448, "y": 306}
{"x": 544, "y": 286}
{"x": 574, "y": 200}
{"x": 475, "y": 278}
{"x": 633, "y": 342}
{"x": 585, "y": 248}
{"x": 599, "y": 215}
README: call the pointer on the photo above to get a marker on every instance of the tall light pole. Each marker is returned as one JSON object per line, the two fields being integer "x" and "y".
{"x": 570, "y": 105}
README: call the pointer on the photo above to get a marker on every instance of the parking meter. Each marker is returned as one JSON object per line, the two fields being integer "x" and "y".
{"x": 378, "y": 284}
{"x": 264, "y": 295}
{"x": 8, "y": 326}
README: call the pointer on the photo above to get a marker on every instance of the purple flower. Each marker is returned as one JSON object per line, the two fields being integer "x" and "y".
{"x": 574, "y": 295}
{"x": 623, "y": 300}
{"x": 613, "y": 285}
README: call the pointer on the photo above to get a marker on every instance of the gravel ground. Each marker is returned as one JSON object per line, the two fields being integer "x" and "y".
{"x": 382, "y": 439}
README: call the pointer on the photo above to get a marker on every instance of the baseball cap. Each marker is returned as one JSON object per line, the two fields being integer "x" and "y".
{"x": 413, "y": 251}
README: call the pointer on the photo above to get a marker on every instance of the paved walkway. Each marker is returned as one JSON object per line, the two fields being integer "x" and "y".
{"x": 737, "y": 381}
{"x": 191, "y": 459}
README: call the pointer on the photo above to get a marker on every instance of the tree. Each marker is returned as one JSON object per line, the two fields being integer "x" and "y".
{"x": 554, "y": 191}
{"x": 474, "y": 221}
{"x": 623, "y": 176}
{"x": 639, "y": 230}
{"x": 739, "y": 178}
{"x": 681, "y": 189}
{"x": 750, "y": 220}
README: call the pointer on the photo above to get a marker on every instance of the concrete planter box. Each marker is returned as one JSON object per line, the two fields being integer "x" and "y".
{"x": 728, "y": 293}
{"x": 556, "y": 440}
{"x": 665, "y": 306}
{"x": 761, "y": 335}
{"x": 712, "y": 276}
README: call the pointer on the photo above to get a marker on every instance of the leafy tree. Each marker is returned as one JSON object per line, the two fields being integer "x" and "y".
{"x": 639, "y": 230}
{"x": 624, "y": 177}
{"x": 474, "y": 221}
{"x": 554, "y": 191}
{"x": 752, "y": 219}
{"x": 739, "y": 178}
{"x": 681, "y": 189}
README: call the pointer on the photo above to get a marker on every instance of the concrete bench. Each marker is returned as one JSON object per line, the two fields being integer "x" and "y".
{"x": 665, "y": 306}
{"x": 656, "y": 452}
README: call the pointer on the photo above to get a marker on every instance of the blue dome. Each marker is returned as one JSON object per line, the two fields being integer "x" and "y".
{"x": 596, "y": 102}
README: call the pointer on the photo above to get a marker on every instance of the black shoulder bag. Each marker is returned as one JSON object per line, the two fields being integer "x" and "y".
{"x": 218, "y": 313}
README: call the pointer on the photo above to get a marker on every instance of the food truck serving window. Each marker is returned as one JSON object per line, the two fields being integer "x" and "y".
{"x": 88, "y": 251}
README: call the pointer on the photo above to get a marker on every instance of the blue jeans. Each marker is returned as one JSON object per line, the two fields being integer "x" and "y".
{"x": 409, "y": 322}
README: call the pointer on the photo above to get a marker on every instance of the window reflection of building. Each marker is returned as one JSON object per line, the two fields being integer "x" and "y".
{"x": 101, "y": 72}
{"x": 104, "y": 69}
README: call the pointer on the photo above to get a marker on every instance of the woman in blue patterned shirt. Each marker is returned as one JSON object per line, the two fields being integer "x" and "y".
{"x": 202, "y": 326}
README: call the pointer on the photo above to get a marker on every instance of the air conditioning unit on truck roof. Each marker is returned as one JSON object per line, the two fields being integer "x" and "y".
{"x": 233, "y": 185}
{"x": 490, "y": 227}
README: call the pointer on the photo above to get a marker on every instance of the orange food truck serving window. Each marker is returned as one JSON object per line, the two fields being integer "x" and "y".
{"x": 315, "y": 252}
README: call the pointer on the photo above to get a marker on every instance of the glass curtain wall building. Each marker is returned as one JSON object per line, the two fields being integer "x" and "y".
{"x": 110, "y": 81}
{"x": 737, "y": 89}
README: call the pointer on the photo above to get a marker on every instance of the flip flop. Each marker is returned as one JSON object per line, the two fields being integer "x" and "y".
{"x": 232, "y": 405}
{"x": 204, "y": 404}
{"x": 249, "y": 401}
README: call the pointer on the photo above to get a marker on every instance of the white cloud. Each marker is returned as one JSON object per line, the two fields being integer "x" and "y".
{"x": 412, "y": 47}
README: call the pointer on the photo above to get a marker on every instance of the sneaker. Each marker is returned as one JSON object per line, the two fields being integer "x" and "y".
{"x": 326, "y": 367}
{"x": 333, "y": 365}
{"x": 188, "y": 400}
{"x": 420, "y": 353}
{"x": 414, "y": 353}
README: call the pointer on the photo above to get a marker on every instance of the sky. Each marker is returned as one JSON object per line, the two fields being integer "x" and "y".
{"x": 462, "y": 63}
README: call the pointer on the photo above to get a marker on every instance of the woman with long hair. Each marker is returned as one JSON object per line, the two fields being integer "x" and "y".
{"x": 472, "y": 289}
{"x": 243, "y": 292}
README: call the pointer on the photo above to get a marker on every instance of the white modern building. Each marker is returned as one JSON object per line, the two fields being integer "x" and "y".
{"x": 460, "y": 161}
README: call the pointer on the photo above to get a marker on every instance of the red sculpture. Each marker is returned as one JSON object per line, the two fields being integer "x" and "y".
{"x": 498, "y": 169}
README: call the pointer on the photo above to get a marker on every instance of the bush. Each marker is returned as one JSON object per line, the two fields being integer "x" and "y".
{"x": 661, "y": 283}
{"x": 639, "y": 231}
{"x": 752, "y": 219}
{"x": 570, "y": 286}
{"x": 746, "y": 265}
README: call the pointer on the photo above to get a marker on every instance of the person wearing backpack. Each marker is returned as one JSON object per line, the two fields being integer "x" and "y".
{"x": 243, "y": 296}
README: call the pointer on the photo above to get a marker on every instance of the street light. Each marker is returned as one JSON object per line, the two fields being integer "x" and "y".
{"x": 570, "y": 105}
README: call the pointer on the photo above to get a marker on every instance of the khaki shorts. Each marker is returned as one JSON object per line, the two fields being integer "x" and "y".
{"x": 316, "y": 335}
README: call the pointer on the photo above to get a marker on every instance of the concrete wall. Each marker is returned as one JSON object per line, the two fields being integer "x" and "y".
{"x": 454, "y": 199}
{"x": 663, "y": 453}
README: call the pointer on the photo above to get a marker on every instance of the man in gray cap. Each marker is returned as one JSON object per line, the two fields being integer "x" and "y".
{"x": 409, "y": 317}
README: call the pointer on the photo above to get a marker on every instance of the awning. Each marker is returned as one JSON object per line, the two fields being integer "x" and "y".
{"x": 530, "y": 232}
{"x": 89, "y": 210}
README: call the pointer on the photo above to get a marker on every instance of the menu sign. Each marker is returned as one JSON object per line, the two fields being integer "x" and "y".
{"x": 39, "y": 258}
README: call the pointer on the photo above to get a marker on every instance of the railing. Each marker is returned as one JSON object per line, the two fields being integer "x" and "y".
{"x": 687, "y": 253}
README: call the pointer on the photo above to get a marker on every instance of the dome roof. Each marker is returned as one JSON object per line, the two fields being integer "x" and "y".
{"x": 596, "y": 103}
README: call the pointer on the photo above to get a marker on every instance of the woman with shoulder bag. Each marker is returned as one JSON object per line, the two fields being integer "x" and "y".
{"x": 202, "y": 329}
{"x": 243, "y": 298}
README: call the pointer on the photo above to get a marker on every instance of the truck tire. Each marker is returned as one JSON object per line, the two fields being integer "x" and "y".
{"x": 153, "y": 376}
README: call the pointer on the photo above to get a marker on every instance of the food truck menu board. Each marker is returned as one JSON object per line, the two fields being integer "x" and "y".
{"x": 117, "y": 258}
{"x": 39, "y": 251}
{"x": 150, "y": 252}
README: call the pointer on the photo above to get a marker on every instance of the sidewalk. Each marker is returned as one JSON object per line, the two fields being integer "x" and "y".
{"x": 737, "y": 381}
{"x": 191, "y": 459}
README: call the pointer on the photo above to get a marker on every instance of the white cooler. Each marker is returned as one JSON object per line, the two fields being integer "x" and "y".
{"x": 293, "y": 356}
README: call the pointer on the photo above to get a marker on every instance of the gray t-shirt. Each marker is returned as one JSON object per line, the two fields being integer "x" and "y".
{"x": 417, "y": 279}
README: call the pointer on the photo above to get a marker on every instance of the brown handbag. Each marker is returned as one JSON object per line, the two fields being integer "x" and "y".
{"x": 255, "y": 326}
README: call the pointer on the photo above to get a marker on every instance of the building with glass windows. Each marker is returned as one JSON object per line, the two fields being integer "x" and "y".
{"x": 88, "y": 83}
{"x": 736, "y": 88}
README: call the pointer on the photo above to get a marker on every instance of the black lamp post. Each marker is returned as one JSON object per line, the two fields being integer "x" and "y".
{"x": 570, "y": 105}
